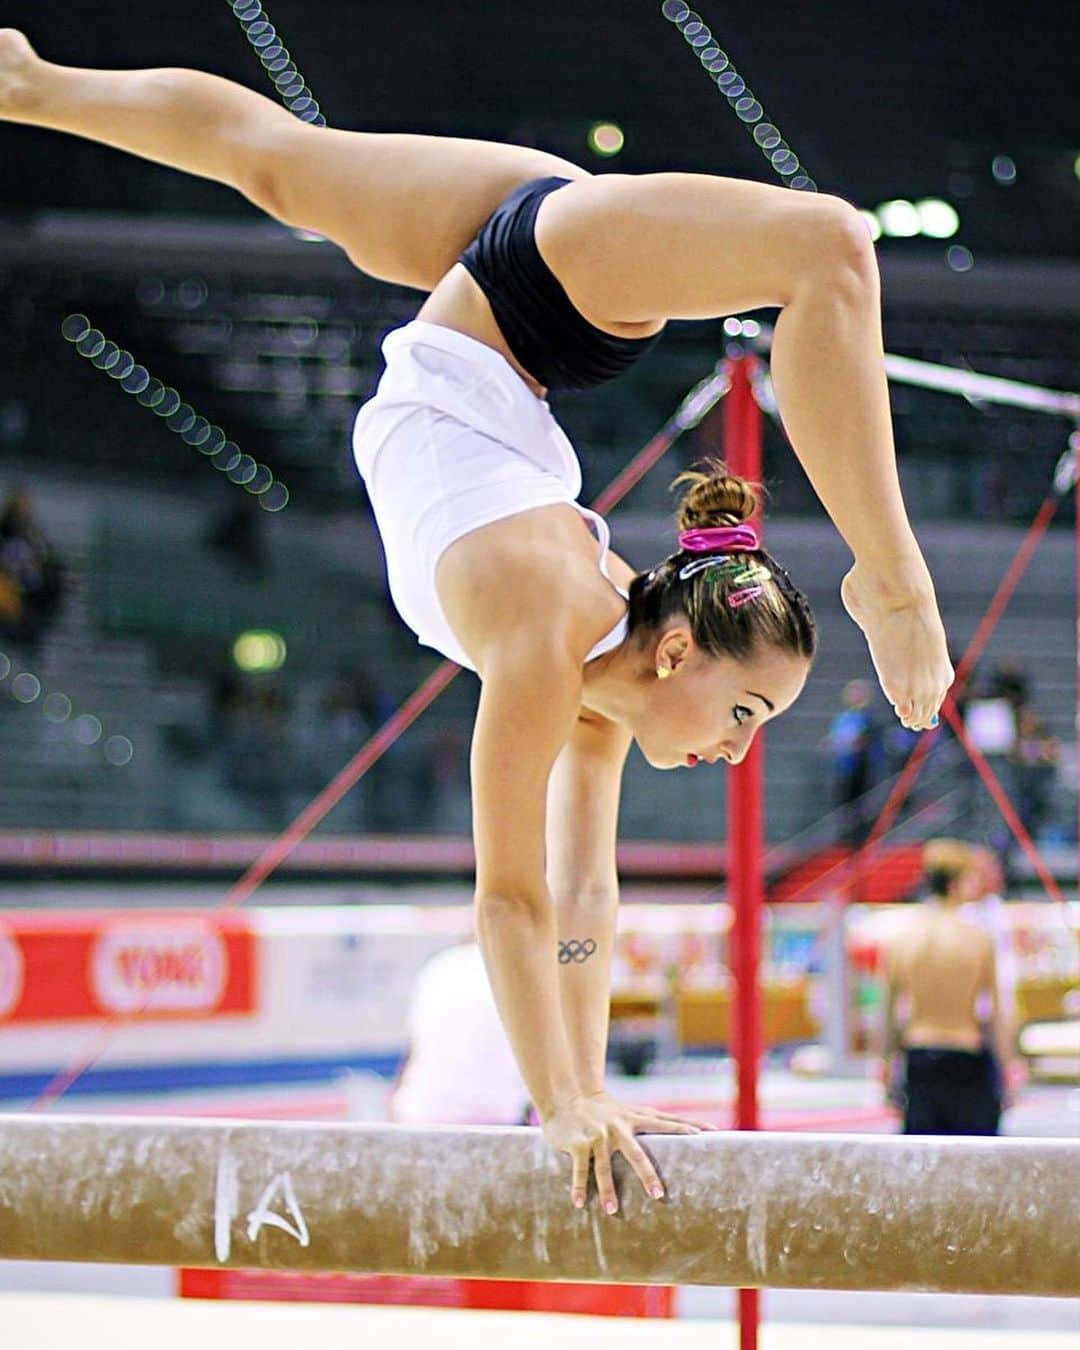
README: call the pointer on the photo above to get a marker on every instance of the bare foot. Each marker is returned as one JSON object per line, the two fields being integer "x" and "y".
{"x": 18, "y": 61}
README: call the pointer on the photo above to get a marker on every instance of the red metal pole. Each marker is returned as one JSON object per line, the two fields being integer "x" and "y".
{"x": 746, "y": 838}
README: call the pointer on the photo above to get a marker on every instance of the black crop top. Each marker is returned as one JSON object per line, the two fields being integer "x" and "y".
{"x": 551, "y": 340}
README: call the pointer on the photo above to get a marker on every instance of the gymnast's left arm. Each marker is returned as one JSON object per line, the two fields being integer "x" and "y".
{"x": 582, "y": 819}
{"x": 582, "y": 823}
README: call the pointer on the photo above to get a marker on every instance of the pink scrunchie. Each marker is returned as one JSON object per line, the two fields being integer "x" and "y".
{"x": 720, "y": 539}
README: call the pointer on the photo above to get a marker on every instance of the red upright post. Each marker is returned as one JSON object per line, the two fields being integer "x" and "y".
{"x": 746, "y": 786}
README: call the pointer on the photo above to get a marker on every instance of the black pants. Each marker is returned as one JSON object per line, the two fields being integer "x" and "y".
{"x": 951, "y": 1092}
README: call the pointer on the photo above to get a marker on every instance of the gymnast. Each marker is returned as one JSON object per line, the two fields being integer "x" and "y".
{"x": 541, "y": 276}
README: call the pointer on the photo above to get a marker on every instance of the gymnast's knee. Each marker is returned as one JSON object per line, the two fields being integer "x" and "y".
{"x": 843, "y": 251}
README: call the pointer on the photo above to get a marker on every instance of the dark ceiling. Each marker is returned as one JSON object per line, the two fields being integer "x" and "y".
{"x": 878, "y": 100}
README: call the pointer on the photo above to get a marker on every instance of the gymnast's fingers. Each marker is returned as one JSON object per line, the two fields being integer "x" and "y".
{"x": 657, "y": 1124}
{"x": 642, "y": 1164}
{"x": 579, "y": 1180}
{"x": 605, "y": 1182}
{"x": 649, "y": 1117}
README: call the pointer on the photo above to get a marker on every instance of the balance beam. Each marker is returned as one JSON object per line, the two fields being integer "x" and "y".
{"x": 992, "y": 1216}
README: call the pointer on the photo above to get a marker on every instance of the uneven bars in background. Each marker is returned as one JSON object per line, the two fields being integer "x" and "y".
{"x": 992, "y": 1216}
{"x": 971, "y": 384}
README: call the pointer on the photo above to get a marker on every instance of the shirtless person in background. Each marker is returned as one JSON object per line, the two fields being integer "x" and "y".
{"x": 938, "y": 969}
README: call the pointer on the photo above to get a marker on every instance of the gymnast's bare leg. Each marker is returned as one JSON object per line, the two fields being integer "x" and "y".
{"x": 629, "y": 250}
{"x": 401, "y": 206}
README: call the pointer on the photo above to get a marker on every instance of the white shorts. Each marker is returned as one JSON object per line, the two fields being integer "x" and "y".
{"x": 452, "y": 440}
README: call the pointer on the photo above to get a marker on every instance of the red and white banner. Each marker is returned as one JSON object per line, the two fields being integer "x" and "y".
{"x": 87, "y": 966}
{"x": 12, "y": 972}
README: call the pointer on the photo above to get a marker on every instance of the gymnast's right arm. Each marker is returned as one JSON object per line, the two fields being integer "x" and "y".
{"x": 528, "y": 705}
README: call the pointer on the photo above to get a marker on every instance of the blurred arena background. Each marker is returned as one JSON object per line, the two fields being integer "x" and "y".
{"x": 195, "y": 635}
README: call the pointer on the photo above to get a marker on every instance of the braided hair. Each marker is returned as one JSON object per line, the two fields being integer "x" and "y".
{"x": 736, "y": 603}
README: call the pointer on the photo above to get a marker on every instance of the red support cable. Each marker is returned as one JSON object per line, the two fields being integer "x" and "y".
{"x": 746, "y": 837}
{"x": 369, "y": 754}
{"x": 1001, "y": 801}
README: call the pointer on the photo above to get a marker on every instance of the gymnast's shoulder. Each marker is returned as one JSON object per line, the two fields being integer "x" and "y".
{"x": 530, "y": 583}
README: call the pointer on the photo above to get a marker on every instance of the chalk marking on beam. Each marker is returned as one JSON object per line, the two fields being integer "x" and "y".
{"x": 226, "y": 1203}
{"x": 262, "y": 1216}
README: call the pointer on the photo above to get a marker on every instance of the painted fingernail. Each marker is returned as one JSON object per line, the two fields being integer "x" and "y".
{"x": 657, "y": 1192}
{"x": 935, "y": 721}
{"x": 579, "y": 1200}
{"x": 611, "y": 1206}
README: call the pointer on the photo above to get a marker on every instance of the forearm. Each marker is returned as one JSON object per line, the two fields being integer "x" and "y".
{"x": 586, "y": 932}
{"x": 891, "y": 1040}
{"x": 1004, "y": 1039}
{"x": 186, "y": 119}
{"x": 519, "y": 943}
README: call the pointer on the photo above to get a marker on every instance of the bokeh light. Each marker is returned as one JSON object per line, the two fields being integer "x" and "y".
{"x": 74, "y": 326}
{"x": 118, "y": 750}
{"x": 268, "y": 47}
{"x": 959, "y": 258}
{"x": 606, "y": 139}
{"x": 92, "y": 343}
{"x": 261, "y": 481}
{"x": 57, "y": 707}
{"x": 25, "y": 688}
{"x": 1003, "y": 167}
{"x": 899, "y": 219}
{"x": 872, "y": 224}
{"x": 275, "y": 498}
{"x": 183, "y": 419}
{"x": 259, "y": 651}
{"x": 166, "y": 403}
{"x": 86, "y": 729}
{"x": 122, "y": 367}
{"x": 137, "y": 380}
{"x": 170, "y": 401}
{"x": 937, "y": 219}
{"x": 107, "y": 357}
{"x": 740, "y": 97}
{"x": 152, "y": 395}
{"x": 228, "y": 457}
{"x": 243, "y": 471}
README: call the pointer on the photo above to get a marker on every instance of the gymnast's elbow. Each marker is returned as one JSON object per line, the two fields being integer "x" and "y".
{"x": 513, "y": 901}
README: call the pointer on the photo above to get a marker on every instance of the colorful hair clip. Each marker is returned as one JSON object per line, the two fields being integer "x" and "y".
{"x": 709, "y": 563}
{"x": 749, "y": 572}
{"x": 739, "y": 598}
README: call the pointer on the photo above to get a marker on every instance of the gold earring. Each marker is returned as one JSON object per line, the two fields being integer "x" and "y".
{"x": 662, "y": 672}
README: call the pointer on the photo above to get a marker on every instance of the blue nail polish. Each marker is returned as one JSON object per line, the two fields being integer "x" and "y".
{"x": 935, "y": 721}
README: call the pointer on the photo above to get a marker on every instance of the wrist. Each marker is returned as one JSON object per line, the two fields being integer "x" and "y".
{"x": 551, "y": 1103}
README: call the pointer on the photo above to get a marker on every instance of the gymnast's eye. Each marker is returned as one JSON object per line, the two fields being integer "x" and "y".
{"x": 741, "y": 713}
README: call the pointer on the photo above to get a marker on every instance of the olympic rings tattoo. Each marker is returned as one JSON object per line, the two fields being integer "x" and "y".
{"x": 575, "y": 951}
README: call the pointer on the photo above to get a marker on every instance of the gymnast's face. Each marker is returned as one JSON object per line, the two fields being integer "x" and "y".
{"x": 710, "y": 708}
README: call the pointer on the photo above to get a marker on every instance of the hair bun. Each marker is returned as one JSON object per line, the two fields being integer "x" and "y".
{"x": 952, "y": 856}
{"x": 715, "y": 497}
